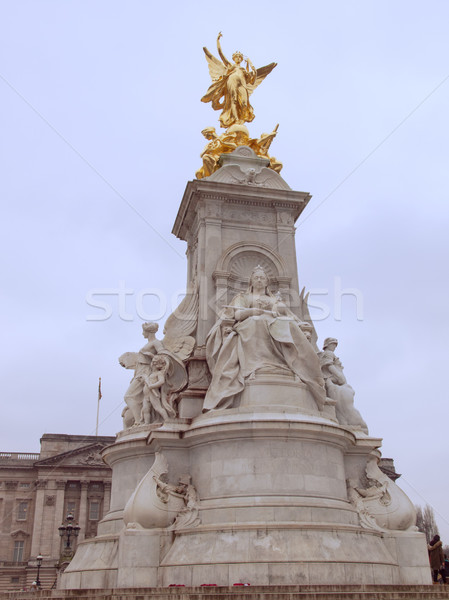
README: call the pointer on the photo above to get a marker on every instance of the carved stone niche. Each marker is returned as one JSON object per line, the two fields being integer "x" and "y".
{"x": 235, "y": 266}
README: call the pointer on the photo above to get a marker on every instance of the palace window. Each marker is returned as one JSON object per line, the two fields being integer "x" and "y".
{"x": 94, "y": 510}
{"x": 18, "y": 551}
{"x": 22, "y": 511}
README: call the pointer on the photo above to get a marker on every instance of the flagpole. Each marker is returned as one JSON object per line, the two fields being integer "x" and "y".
{"x": 98, "y": 405}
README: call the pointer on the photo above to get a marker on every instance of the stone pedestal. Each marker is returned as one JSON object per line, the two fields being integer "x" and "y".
{"x": 279, "y": 484}
{"x": 274, "y": 508}
{"x": 279, "y": 391}
{"x": 229, "y": 229}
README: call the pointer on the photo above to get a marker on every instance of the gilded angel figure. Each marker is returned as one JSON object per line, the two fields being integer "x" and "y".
{"x": 232, "y": 85}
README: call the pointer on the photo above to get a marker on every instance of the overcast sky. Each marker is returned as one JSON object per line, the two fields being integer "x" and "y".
{"x": 101, "y": 130}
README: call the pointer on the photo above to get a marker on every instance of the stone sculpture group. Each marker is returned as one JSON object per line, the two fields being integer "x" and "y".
{"x": 242, "y": 454}
{"x": 256, "y": 334}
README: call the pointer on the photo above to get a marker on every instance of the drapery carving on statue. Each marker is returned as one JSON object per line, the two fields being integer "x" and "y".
{"x": 199, "y": 375}
{"x": 338, "y": 389}
{"x": 182, "y": 323}
{"x": 382, "y": 500}
{"x": 157, "y": 503}
{"x": 257, "y": 332}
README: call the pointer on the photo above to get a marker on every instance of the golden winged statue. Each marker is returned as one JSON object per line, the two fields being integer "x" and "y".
{"x": 232, "y": 85}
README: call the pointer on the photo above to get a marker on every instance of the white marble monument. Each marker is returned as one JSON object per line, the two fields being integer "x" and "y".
{"x": 242, "y": 456}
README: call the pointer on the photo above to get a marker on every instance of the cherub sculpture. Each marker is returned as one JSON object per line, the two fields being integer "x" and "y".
{"x": 141, "y": 363}
{"x": 175, "y": 348}
{"x": 156, "y": 401}
{"x": 232, "y": 85}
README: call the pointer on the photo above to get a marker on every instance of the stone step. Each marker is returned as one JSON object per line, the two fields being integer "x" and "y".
{"x": 305, "y": 592}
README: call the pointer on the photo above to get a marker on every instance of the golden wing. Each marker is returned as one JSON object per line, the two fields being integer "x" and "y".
{"x": 261, "y": 73}
{"x": 216, "y": 68}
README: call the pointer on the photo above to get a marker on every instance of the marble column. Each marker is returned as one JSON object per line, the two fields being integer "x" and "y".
{"x": 59, "y": 517}
{"x": 106, "y": 497}
{"x": 39, "y": 522}
{"x": 83, "y": 510}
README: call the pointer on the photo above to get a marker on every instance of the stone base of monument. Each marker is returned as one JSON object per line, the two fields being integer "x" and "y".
{"x": 273, "y": 508}
{"x": 241, "y": 590}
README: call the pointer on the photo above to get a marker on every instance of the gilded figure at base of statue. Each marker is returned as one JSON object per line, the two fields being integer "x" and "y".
{"x": 235, "y": 136}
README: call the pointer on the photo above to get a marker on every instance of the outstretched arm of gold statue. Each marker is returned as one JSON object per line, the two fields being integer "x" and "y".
{"x": 252, "y": 72}
{"x": 220, "y": 52}
{"x": 261, "y": 73}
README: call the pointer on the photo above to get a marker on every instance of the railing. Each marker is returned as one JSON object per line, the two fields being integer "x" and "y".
{"x": 19, "y": 455}
{"x": 12, "y": 563}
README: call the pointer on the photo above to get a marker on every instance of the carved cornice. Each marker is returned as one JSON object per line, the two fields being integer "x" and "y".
{"x": 245, "y": 196}
{"x": 214, "y": 197}
{"x": 262, "y": 203}
{"x": 84, "y": 456}
{"x": 19, "y": 533}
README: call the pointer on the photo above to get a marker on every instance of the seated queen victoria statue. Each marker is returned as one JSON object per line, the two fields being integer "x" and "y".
{"x": 256, "y": 334}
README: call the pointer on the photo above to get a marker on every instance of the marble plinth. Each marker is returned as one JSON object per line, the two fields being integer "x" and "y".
{"x": 280, "y": 391}
{"x": 274, "y": 509}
